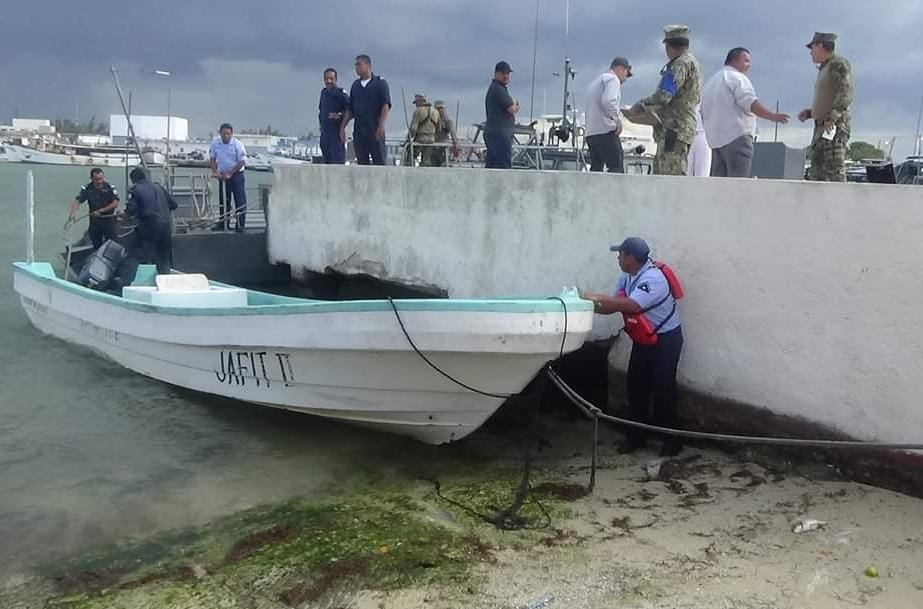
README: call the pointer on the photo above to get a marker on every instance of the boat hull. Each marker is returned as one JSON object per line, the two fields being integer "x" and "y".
{"x": 39, "y": 157}
{"x": 354, "y": 366}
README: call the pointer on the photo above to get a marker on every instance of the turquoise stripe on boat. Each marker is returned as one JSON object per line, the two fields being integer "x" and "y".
{"x": 261, "y": 303}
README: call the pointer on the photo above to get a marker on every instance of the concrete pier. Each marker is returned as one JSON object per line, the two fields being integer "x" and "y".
{"x": 802, "y": 298}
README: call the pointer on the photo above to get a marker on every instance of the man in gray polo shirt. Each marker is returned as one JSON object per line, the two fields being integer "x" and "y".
{"x": 729, "y": 110}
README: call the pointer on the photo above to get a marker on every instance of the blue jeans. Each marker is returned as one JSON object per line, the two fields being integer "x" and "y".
{"x": 235, "y": 187}
{"x": 499, "y": 150}
{"x": 368, "y": 147}
{"x": 332, "y": 149}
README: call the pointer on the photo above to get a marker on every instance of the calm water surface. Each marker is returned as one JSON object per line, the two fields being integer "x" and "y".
{"x": 90, "y": 452}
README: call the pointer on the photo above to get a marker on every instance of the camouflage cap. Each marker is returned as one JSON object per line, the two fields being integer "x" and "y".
{"x": 419, "y": 98}
{"x": 672, "y": 32}
{"x": 820, "y": 37}
{"x": 439, "y": 104}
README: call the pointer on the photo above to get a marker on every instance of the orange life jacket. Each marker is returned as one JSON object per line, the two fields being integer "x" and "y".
{"x": 637, "y": 326}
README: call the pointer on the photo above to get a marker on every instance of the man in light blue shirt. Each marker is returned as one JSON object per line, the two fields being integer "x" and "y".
{"x": 643, "y": 289}
{"x": 228, "y": 157}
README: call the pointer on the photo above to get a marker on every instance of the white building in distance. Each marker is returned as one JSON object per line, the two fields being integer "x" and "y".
{"x": 148, "y": 128}
{"x": 34, "y": 125}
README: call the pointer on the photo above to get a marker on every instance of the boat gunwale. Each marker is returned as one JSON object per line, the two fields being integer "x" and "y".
{"x": 43, "y": 272}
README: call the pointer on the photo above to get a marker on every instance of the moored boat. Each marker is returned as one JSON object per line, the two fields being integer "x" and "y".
{"x": 347, "y": 360}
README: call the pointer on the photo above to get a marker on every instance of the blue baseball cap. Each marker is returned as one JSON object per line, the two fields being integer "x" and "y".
{"x": 633, "y": 246}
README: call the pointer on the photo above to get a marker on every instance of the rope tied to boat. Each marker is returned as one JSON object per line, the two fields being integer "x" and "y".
{"x": 596, "y": 414}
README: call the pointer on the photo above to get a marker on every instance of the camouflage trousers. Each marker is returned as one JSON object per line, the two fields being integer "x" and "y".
{"x": 671, "y": 162}
{"x": 430, "y": 156}
{"x": 828, "y": 159}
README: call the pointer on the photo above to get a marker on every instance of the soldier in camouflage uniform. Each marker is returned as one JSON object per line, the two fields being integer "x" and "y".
{"x": 833, "y": 93}
{"x": 675, "y": 102}
{"x": 423, "y": 127}
{"x": 445, "y": 133}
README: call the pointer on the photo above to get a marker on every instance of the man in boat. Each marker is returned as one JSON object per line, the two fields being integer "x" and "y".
{"x": 501, "y": 111}
{"x": 333, "y": 105}
{"x": 445, "y": 134}
{"x": 228, "y": 157}
{"x": 152, "y": 206}
{"x": 646, "y": 296}
{"x": 833, "y": 94}
{"x": 604, "y": 118}
{"x": 674, "y": 102}
{"x": 102, "y": 199}
{"x": 423, "y": 127}
{"x": 369, "y": 105}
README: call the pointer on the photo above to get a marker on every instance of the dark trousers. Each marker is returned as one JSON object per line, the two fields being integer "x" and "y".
{"x": 652, "y": 373}
{"x": 606, "y": 151}
{"x": 332, "y": 149}
{"x": 155, "y": 245}
{"x": 237, "y": 188}
{"x": 101, "y": 230}
{"x": 499, "y": 150}
{"x": 367, "y": 147}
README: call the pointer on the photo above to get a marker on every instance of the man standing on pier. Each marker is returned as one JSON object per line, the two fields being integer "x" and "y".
{"x": 729, "y": 110}
{"x": 501, "y": 111}
{"x": 228, "y": 158}
{"x": 369, "y": 105}
{"x": 604, "y": 117}
{"x": 423, "y": 127}
{"x": 445, "y": 134}
{"x": 674, "y": 102}
{"x": 333, "y": 106}
{"x": 833, "y": 94}
{"x": 102, "y": 199}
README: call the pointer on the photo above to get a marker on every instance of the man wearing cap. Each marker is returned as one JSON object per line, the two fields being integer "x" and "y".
{"x": 833, "y": 94}
{"x": 501, "y": 111}
{"x": 729, "y": 110}
{"x": 423, "y": 127}
{"x": 651, "y": 368}
{"x": 674, "y": 101}
{"x": 445, "y": 134}
{"x": 604, "y": 119}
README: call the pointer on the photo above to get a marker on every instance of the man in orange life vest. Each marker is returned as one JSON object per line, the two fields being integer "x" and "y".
{"x": 646, "y": 295}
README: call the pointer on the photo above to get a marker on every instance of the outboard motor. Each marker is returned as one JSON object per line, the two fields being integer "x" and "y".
{"x": 101, "y": 265}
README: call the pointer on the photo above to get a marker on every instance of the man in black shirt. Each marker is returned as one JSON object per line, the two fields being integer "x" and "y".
{"x": 369, "y": 104}
{"x": 102, "y": 199}
{"x": 501, "y": 118}
{"x": 153, "y": 207}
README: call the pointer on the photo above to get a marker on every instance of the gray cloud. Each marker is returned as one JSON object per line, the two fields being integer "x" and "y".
{"x": 258, "y": 64}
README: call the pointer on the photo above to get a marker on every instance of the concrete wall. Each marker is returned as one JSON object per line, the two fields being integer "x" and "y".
{"x": 801, "y": 297}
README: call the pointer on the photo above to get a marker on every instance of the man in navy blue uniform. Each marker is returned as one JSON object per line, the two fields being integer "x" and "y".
{"x": 102, "y": 199}
{"x": 643, "y": 289}
{"x": 369, "y": 105}
{"x": 153, "y": 207}
{"x": 333, "y": 106}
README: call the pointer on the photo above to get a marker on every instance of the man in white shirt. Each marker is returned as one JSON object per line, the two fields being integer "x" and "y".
{"x": 729, "y": 110}
{"x": 604, "y": 119}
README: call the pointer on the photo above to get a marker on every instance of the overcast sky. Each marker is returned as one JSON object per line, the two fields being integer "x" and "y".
{"x": 258, "y": 63}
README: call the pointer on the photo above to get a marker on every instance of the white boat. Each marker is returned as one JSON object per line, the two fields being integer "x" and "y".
{"x": 347, "y": 360}
{"x": 75, "y": 155}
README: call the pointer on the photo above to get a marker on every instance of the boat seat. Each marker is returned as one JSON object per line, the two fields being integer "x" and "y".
{"x": 181, "y": 282}
{"x": 186, "y": 290}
